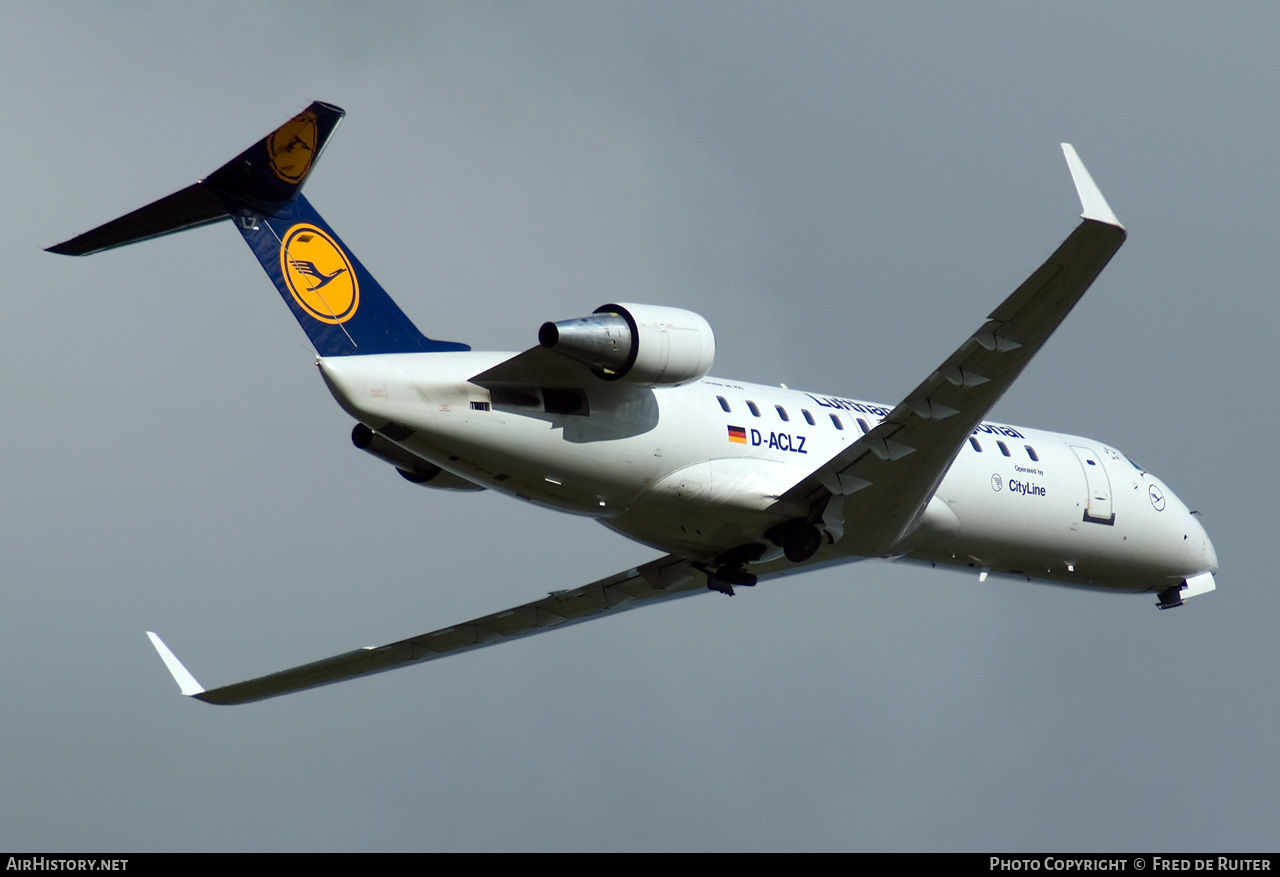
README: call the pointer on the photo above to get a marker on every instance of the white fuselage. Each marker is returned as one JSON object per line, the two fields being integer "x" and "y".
{"x": 672, "y": 468}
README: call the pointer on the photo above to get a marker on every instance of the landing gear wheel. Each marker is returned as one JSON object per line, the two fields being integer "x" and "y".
{"x": 1170, "y": 598}
{"x": 802, "y": 543}
{"x": 723, "y": 580}
{"x": 730, "y": 568}
{"x": 715, "y": 583}
{"x": 799, "y": 540}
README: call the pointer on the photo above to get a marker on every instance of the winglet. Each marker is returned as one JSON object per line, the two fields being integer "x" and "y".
{"x": 1095, "y": 206}
{"x": 190, "y": 687}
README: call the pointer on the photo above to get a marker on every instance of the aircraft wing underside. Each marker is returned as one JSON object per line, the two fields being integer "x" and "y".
{"x": 663, "y": 579}
{"x": 881, "y": 483}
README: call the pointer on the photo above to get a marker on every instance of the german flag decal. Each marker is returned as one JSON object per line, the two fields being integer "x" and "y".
{"x": 738, "y": 434}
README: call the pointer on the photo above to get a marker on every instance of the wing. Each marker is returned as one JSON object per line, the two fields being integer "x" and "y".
{"x": 879, "y": 486}
{"x": 663, "y": 579}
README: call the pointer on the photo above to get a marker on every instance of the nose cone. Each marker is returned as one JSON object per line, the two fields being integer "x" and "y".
{"x": 1182, "y": 526}
{"x": 1208, "y": 557}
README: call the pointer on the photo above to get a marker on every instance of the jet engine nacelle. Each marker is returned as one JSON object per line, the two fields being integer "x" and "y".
{"x": 641, "y": 344}
{"x": 411, "y": 467}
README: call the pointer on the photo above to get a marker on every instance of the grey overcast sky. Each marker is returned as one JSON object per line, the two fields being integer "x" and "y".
{"x": 844, "y": 191}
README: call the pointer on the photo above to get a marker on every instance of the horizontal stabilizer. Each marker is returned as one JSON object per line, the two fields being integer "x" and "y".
{"x": 335, "y": 299}
{"x": 262, "y": 179}
{"x": 191, "y": 207}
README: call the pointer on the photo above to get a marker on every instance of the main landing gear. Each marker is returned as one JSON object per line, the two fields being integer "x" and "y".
{"x": 799, "y": 540}
{"x": 730, "y": 568}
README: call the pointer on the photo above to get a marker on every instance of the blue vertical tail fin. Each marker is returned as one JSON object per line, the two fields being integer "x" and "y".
{"x": 338, "y": 303}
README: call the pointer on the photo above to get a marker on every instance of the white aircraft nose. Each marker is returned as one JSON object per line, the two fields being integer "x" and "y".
{"x": 1208, "y": 557}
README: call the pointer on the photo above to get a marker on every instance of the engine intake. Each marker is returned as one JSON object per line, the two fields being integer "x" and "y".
{"x": 641, "y": 344}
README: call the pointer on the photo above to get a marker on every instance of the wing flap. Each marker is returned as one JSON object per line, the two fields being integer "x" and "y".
{"x": 660, "y": 580}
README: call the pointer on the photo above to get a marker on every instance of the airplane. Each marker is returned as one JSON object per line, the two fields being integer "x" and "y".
{"x": 613, "y": 415}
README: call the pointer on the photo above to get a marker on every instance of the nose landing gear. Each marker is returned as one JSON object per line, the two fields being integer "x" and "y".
{"x": 730, "y": 568}
{"x": 723, "y": 580}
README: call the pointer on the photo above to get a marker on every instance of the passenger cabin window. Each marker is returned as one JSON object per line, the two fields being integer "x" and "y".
{"x": 1004, "y": 449}
{"x": 977, "y": 447}
{"x": 754, "y": 410}
{"x": 836, "y": 420}
{"x": 1031, "y": 452}
{"x": 808, "y": 417}
{"x": 863, "y": 423}
{"x": 724, "y": 404}
{"x": 782, "y": 412}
